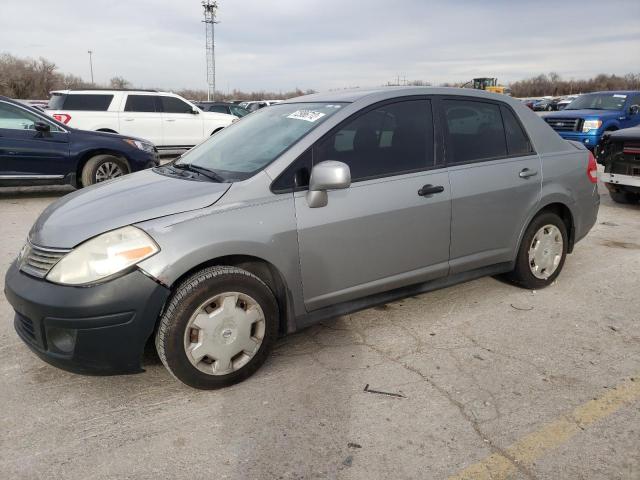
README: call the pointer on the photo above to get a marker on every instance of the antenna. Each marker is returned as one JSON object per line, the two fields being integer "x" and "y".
{"x": 210, "y": 11}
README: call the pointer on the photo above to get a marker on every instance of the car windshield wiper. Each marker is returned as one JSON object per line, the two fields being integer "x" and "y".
{"x": 201, "y": 170}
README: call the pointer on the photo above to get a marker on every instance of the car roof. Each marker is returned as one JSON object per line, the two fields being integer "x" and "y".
{"x": 106, "y": 90}
{"x": 383, "y": 93}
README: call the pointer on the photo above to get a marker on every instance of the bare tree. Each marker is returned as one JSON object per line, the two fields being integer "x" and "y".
{"x": 119, "y": 82}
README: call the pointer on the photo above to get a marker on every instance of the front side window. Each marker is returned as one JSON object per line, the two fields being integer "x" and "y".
{"x": 475, "y": 131}
{"x": 388, "y": 140}
{"x": 15, "y": 118}
{"x": 140, "y": 103}
{"x": 241, "y": 150}
{"x": 175, "y": 105}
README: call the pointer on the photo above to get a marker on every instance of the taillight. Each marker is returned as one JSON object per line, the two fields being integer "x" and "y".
{"x": 62, "y": 117}
{"x": 592, "y": 169}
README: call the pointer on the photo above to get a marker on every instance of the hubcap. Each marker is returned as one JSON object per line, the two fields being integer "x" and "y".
{"x": 107, "y": 171}
{"x": 224, "y": 333}
{"x": 545, "y": 252}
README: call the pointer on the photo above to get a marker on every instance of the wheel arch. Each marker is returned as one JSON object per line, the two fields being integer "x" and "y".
{"x": 106, "y": 130}
{"x": 265, "y": 271}
{"x": 560, "y": 208}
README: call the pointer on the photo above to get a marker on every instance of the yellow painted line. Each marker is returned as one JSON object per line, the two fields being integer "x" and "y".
{"x": 531, "y": 447}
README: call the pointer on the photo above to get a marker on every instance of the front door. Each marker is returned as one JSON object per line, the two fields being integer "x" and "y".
{"x": 28, "y": 154}
{"x": 496, "y": 180}
{"x": 182, "y": 126}
{"x": 385, "y": 231}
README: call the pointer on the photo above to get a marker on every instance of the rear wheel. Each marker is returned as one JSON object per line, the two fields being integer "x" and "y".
{"x": 102, "y": 168}
{"x": 218, "y": 328}
{"x": 542, "y": 252}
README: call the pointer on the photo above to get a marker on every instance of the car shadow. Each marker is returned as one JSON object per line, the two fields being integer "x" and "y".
{"x": 35, "y": 191}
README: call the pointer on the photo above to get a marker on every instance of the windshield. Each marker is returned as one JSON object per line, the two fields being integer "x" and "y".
{"x": 238, "y": 152}
{"x": 598, "y": 101}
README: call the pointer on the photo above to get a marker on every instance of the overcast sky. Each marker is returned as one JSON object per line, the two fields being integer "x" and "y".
{"x": 325, "y": 44}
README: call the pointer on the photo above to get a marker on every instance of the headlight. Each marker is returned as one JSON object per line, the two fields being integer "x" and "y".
{"x": 102, "y": 256}
{"x": 591, "y": 125}
{"x": 147, "y": 147}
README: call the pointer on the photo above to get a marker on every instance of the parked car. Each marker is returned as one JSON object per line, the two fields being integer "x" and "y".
{"x": 587, "y": 117}
{"x": 167, "y": 120}
{"x": 35, "y": 149}
{"x": 529, "y": 102}
{"x": 252, "y": 106}
{"x": 320, "y": 206}
{"x": 565, "y": 101}
{"x": 223, "y": 107}
{"x": 619, "y": 152}
{"x": 545, "y": 104}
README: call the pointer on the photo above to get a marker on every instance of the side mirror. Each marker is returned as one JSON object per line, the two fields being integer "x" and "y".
{"x": 633, "y": 109}
{"x": 40, "y": 126}
{"x": 195, "y": 111}
{"x": 328, "y": 175}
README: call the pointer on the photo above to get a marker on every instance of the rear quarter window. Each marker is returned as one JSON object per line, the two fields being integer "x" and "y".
{"x": 86, "y": 102}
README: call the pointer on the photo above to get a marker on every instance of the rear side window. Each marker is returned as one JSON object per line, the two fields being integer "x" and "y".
{"x": 175, "y": 105}
{"x": 517, "y": 141}
{"x": 86, "y": 102}
{"x": 475, "y": 131}
{"x": 389, "y": 140}
{"x": 140, "y": 103}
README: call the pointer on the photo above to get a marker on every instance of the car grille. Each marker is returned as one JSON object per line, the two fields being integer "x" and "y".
{"x": 37, "y": 261}
{"x": 564, "y": 124}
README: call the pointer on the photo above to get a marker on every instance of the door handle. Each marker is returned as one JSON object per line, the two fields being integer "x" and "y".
{"x": 170, "y": 120}
{"x": 128, "y": 119}
{"x": 526, "y": 173}
{"x": 430, "y": 190}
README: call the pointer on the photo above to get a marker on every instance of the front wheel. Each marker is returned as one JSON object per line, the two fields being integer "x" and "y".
{"x": 542, "y": 252}
{"x": 102, "y": 168}
{"x": 624, "y": 197}
{"x": 218, "y": 328}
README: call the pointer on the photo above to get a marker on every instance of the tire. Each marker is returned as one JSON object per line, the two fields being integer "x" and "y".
{"x": 216, "y": 131}
{"x": 624, "y": 197}
{"x": 531, "y": 274}
{"x": 227, "y": 299}
{"x": 101, "y": 168}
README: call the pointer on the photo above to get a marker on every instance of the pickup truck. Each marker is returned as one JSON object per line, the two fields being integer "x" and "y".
{"x": 589, "y": 116}
{"x": 619, "y": 152}
{"x": 167, "y": 120}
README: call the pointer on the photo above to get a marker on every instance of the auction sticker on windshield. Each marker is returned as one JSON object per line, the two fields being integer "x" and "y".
{"x": 308, "y": 115}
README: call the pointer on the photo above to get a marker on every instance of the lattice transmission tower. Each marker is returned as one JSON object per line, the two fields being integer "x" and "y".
{"x": 210, "y": 11}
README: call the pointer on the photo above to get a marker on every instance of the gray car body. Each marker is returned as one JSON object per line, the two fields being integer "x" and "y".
{"x": 375, "y": 241}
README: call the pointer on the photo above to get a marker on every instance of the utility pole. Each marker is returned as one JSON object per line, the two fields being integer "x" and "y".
{"x": 90, "y": 52}
{"x": 210, "y": 11}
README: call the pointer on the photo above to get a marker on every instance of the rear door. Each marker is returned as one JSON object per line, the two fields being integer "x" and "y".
{"x": 142, "y": 117}
{"x": 384, "y": 231}
{"x": 182, "y": 126}
{"x": 28, "y": 154}
{"x": 496, "y": 180}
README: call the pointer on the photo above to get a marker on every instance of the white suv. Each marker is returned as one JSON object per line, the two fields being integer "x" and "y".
{"x": 169, "y": 121}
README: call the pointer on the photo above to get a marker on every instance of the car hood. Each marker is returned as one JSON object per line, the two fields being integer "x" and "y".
{"x": 584, "y": 113}
{"x": 127, "y": 200}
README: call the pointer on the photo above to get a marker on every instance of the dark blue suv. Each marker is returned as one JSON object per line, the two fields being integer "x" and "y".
{"x": 590, "y": 115}
{"x": 35, "y": 149}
